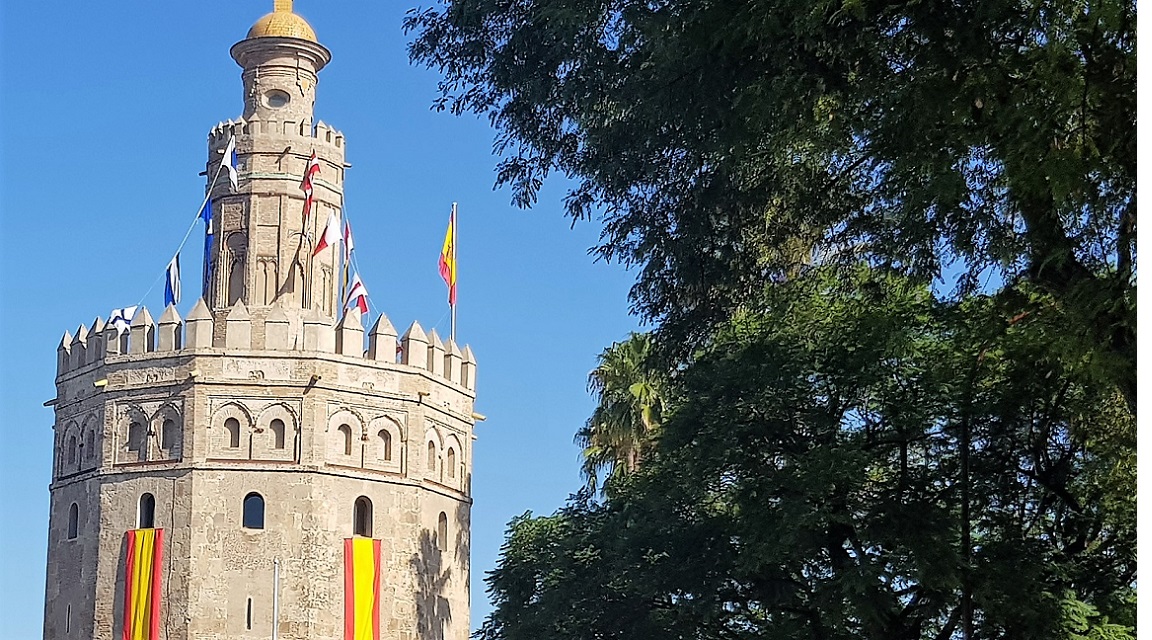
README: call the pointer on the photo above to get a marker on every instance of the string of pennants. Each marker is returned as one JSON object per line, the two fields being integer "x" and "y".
{"x": 336, "y": 231}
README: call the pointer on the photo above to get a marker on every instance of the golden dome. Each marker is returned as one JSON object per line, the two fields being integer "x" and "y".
{"x": 282, "y": 23}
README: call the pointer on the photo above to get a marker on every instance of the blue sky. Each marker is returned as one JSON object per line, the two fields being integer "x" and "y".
{"x": 106, "y": 109}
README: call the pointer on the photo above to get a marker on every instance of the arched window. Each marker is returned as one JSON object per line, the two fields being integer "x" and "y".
{"x": 73, "y": 521}
{"x": 385, "y": 444}
{"x": 362, "y": 517}
{"x": 135, "y": 436}
{"x": 346, "y": 434}
{"x": 71, "y": 450}
{"x": 253, "y": 511}
{"x": 451, "y": 462}
{"x": 146, "y": 514}
{"x": 168, "y": 435}
{"x": 431, "y": 456}
{"x": 90, "y": 444}
{"x": 232, "y": 432}
{"x": 277, "y": 434}
{"x": 442, "y": 532}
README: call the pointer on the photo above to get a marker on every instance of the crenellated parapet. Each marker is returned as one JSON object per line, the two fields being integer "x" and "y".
{"x": 320, "y": 136}
{"x": 416, "y": 352}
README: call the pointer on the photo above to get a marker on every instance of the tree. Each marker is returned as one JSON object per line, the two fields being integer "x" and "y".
{"x": 629, "y": 394}
{"x": 724, "y": 143}
{"x": 808, "y": 483}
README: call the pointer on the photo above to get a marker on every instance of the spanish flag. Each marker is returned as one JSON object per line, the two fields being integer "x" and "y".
{"x": 448, "y": 258}
{"x": 361, "y": 589}
{"x": 142, "y": 584}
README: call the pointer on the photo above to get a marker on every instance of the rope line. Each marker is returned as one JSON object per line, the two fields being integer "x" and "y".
{"x": 187, "y": 234}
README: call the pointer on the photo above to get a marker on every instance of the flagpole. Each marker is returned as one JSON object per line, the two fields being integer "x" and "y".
{"x": 455, "y": 268}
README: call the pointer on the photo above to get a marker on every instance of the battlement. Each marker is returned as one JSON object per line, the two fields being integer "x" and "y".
{"x": 321, "y": 134}
{"x": 172, "y": 336}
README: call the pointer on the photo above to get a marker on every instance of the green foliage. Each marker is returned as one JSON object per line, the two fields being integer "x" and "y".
{"x": 629, "y": 392}
{"x": 729, "y": 142}
{"x": 807, "y": 483}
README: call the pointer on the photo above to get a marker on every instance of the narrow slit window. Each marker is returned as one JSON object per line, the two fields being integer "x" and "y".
{"x": 451, "y": 463}
{"x": 431, "y": 456}
{"x": 248, "y": 618}
{"x": 73, "y": 521}
{"x": 442, "y": 532}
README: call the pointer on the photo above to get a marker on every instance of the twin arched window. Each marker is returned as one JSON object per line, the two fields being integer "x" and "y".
{"x": 232, "y": 432}
{"x": 362, "y": 517}
{"x": 346, "y": 434}
{"x": 72, "y": 450}
{"x": 277, "y": 427}
{"x": 136, "y": 436}
{"x": 146, "y": 513}
{"x": 168, "y": 435}
{"x": 253, "y": 511}
{"x": 431, "y": 456}
{"x": 451, "y": 462}
{"x": 385, "y": 445}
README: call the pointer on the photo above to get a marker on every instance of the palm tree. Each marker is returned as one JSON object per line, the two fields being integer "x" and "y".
{"x": 629, "y": 394}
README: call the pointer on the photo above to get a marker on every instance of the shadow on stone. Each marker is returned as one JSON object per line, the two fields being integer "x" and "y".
{"x": 433, "y": 611}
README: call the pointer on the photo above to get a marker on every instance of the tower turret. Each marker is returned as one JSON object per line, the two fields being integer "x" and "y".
{"x": 265, "y": 230}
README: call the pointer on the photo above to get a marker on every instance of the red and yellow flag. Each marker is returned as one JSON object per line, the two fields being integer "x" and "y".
{"x": 448, "y": 259}
{"x": 142, "y": 584}
{"x": 361, "y": 589}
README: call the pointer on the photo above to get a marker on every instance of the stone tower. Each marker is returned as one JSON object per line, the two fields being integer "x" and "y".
{"x": 265, "y": 429}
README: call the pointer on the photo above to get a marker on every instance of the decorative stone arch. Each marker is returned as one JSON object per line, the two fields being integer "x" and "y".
{"x": 219, "y": 434}
{"x": 387, "y": 440}
{"x": 453, "y": 460}
{"x": 432, "y": 451}
{"x": 346, "y": 447}
{"x": 168, "y": 425}
{"x": 278, "y": 427}
{"x": 91, "y": 437}
{"x": 68, "y": 449}
{"x": 132, "y": 434}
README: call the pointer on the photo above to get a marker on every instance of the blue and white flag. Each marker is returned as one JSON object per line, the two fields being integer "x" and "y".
{"x": 121, "y": 318}
{"x": 230, "y": 162}
{"x": 172, "y": 285}
{"x": 206, "y": 271}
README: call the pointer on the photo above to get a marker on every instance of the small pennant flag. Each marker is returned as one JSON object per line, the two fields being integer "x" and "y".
{"x": 348, "y": 245}
{"x": 121, "y": 318}
{"x": 310, "y": 170}
{"x": 172, "y": 285}
{"x": 331, "y": 233}
{"x": 206, "y": 216}
{"x": 448, "y": 259}
{"x": 230, "y": 163}
{"x": 357, "y": 295}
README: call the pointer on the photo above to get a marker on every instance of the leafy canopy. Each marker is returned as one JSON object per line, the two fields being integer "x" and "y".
{"x": 725, "y": 143}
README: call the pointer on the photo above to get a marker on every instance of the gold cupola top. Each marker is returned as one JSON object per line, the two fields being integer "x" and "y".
{"x": 282, "y": 23}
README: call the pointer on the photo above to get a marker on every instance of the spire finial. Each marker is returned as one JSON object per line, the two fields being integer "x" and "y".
{"x": 282, "y": 6}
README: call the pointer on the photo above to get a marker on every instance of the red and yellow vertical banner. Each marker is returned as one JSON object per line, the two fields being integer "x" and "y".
{"x": 142, "y": 584}
{"x": 361, "y": 589}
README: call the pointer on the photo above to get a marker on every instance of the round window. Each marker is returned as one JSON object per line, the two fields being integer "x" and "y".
{"x": 276, "y": 99}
